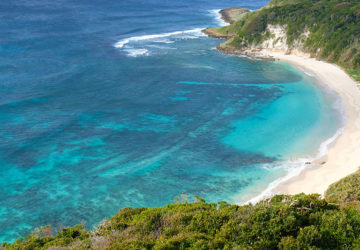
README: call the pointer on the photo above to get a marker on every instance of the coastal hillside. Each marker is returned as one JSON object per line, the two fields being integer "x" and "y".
{"x": 325, "y": 29}
{"x": 346, "y": 190}
{"x": 282, "y": 222}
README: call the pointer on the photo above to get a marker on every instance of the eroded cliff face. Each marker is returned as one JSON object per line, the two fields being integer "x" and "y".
{"x": 278, "y": 41}
{"x": 334, "y": 26}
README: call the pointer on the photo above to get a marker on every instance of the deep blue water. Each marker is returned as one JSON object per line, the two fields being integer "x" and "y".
{"x": 95, "y": 117}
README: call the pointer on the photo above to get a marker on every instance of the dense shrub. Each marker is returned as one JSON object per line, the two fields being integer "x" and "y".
{"x": 345, "y": 190}
{"x": 334, "y": 27}
{"x": 282, "y": 222}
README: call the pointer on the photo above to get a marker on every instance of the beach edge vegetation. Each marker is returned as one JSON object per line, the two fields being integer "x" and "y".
{"x": 281, "y": 222}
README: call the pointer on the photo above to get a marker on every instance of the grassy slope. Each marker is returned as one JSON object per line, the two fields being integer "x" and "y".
{"x": 283, "y": 222}
{"x": 345, "y": 190}
{"x": 334, "y": 27}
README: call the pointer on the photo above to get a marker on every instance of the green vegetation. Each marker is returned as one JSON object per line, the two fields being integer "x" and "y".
{"x": 346, "y": 190}
{"x": 353, "y": 73}
{"x": 282, "y": 222}
{"x": 232, "y": 15}
{"x": 334, "y": 27}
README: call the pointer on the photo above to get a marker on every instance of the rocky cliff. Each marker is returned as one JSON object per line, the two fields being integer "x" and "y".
{"x": 327, "y": 30}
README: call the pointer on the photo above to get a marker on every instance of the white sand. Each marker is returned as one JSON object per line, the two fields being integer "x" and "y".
{"x": 343, "y": 157}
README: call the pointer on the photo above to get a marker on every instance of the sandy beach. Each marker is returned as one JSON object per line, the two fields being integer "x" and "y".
{"x": 343, "y": 156}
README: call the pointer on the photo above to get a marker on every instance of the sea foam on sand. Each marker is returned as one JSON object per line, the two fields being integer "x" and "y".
{"x": 339, "y": 156}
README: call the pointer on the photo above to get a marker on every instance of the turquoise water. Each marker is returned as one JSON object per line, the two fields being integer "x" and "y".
{"x": 126, "y": 103}
{"x": 295, "y": 118}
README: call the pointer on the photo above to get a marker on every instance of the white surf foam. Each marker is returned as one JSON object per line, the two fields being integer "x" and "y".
{"x": 309, "y": 73}
{"x": 159, "y": 47}
{"x": 296, "y": 167}
{"x": 122, "y": 43}
{"x": 129, "y": 44}
{"x": 137, "y": 52}
{"x": 198, "y": 66}
{"x": 218, "y": 17}
{"x": 167, "y": 41}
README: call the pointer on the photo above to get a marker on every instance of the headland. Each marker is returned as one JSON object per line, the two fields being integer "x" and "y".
{"x": 343, "y": 154}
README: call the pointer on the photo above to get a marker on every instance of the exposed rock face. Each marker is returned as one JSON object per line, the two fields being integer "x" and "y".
{"x": 249, "y": 52}
{"x": 278, "y": 38}
{"x": 278, "y": 41}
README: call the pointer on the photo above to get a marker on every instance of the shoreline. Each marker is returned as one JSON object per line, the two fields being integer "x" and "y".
{"x": 341, "y": 156}
{"x": 342, "y": 151}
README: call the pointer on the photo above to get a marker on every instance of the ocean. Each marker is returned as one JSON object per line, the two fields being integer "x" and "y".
{"x": 108, "y": 104}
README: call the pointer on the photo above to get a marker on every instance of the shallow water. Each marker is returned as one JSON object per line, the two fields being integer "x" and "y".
{"x": 107, "y": 105}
